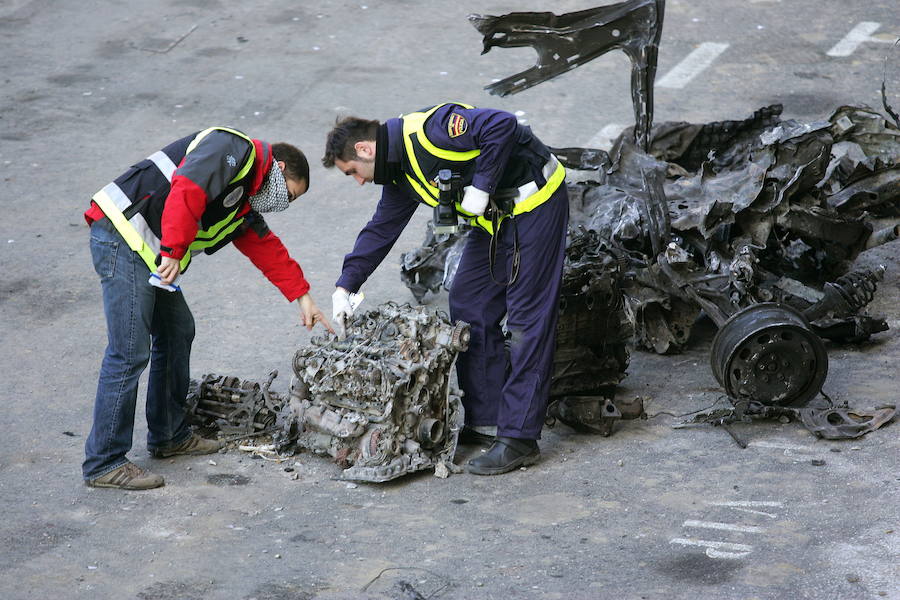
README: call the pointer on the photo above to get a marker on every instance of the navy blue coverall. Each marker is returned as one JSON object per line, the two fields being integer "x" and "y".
{"x": 509, "y": 392}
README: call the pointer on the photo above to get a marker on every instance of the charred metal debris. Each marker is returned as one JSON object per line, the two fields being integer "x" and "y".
{"x": 754, "y": 223}
{"x": 379, "y": 402}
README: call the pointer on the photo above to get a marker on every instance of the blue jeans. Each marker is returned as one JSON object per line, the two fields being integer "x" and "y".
{"x": 144, "y": 324}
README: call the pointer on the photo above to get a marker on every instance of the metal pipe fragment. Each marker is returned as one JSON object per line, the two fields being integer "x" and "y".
{"x": 883, "y": 236}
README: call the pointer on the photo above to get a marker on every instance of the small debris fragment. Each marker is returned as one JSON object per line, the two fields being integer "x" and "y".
{"x": 441, "y": 471}
{"x": 459, "y": 501}
{"x": 289, "y": 469}
{"x": 817, "y": 462}
{"x": 855, "y": 448}
{"x": 835, "y": 449}
{"x": 277, "y": 556}
{"x": 212, "y": 462}
{"x": 69, "y": 433}
{"x": 784, "y": 419}
{"x": 352, "y": 486}
{"x": 852, "y": 578}
{"x": 620, "y": 463}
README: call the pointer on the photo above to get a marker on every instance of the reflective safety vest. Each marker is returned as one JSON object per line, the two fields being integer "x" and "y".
{"x": 423, "y": 160}
{"x": 219, "y": 221}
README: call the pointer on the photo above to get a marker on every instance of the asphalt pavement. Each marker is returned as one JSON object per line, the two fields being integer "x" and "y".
{"x": 651, "y": 512}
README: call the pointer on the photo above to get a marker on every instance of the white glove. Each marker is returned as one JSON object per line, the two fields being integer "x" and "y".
{"x": 475, "y": 201}
{"x": 340, "y": 305}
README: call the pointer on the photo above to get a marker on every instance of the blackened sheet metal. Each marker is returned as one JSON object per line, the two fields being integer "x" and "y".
{"x": 566, "y": 41}
{"x": 887, "y": 107}
{"x": 842, "y": 423}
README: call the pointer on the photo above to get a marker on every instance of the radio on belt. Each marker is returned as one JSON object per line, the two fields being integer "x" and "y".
{"x": 449, "y": 190}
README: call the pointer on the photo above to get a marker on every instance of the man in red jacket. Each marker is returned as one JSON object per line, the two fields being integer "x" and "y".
{"x": 195, "y": 195}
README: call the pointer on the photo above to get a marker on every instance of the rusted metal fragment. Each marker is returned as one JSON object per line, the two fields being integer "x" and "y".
{"x": 566, "y": 41}
{"x": 594, "y": 414}
{"x": 380, "y": 401}
{"x": 233, "y": 406}
{"x": 842, "y": 423}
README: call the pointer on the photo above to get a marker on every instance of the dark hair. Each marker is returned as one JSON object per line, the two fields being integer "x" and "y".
{"x": 295, "y": 164}
{"x": 342, "y": 139}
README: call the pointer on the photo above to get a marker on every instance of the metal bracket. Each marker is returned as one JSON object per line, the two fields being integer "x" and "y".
{"x": 566, "y": 41}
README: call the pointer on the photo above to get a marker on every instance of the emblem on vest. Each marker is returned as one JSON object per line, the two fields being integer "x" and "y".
{"x": 232, "y": 161}
{"x": 234, "y": 197}
{"x": 457, "y": 125}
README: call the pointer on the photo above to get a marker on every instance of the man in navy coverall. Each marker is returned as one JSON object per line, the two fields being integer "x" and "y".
{"x": 515, "y": 198}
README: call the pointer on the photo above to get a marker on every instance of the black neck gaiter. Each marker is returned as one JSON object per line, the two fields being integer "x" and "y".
{"x": 385, "y": 172}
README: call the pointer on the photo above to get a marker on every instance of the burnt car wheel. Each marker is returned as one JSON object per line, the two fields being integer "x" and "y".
{"x": 767, "y": 353}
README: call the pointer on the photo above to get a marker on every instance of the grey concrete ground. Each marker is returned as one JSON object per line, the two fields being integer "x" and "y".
{"x": 90, "y": 87}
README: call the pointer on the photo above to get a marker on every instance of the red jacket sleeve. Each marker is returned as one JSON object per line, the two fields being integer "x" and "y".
{"x": 272, "y": 258}
{"x": 181, "y": 215}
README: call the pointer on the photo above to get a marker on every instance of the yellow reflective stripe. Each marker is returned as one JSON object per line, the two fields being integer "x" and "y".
{"x": 207, "y": 243}
{"x": 414, "y": 124}
{"x": 125, "y": 229}
{"x": 541, "y": 196}
{"x": 417, "y": 187}
{"x": 213, "y": 232}
{"x": 447, "y": 154}
{"x": 529, "y": 203}
{"x": 247, "y": 166}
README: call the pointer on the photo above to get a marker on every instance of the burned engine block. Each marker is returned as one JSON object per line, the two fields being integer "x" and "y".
{"x": 379, "y": 401}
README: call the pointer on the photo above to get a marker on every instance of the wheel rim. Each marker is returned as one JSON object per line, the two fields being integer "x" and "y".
{"x": 768, "y": 354}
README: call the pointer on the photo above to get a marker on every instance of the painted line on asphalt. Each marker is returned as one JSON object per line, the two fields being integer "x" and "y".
{"x": 716, "y": 549}
{"x": 693, "y": 64}
{"x": 604, "y": 138}
{"x": 747, "y": 503}
{"x": 755, "y": 512}
{"x": 859, "y": 35}
{"x": 723, "y": 526}
{"x": 728, "y": 550}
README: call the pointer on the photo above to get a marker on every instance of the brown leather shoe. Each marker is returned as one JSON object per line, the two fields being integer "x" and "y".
{"x": 128, "y": 477}
{"x": 193, "y": 445}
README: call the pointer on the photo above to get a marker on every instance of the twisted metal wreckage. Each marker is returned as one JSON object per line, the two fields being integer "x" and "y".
{"x": 754, "y": 223}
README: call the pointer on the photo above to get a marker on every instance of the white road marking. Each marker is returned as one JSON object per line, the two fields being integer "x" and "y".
{"x": 755, "y": 512}
{"x": 604, "y": 138}
{"x": 858, "y": 35}
{"x": 723, "y": 526}
{"x": 692, "y": 65}
{"x": 747, "y": 503}
{"x": 716, "y": 549}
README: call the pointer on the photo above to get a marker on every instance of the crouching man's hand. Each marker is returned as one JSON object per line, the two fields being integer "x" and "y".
{"x": 310, "y": 314}
{"x": 168, "y": 270}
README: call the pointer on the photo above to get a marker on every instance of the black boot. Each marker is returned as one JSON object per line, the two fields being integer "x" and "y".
{"x": 470, "y": 437}
{"x": 504, "y": 455}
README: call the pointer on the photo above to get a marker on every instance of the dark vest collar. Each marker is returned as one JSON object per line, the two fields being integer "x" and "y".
{"x": 388, "y": 144}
